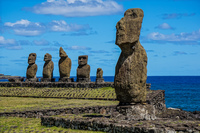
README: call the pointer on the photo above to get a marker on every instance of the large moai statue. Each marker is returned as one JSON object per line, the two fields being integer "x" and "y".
{"x": 65, "y": 64}
{"x": 83, "y": 70}
{"x": 131, "y": 69}
{"x": 48, "y": 68}
{"x": 32, "y": 68}
{"x": 99, "y": 76}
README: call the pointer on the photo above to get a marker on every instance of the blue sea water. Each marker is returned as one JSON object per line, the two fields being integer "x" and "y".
{"x": 180, "y": 91}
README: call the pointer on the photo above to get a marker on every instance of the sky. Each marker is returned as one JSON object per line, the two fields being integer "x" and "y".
{"x": 170, "y": 34}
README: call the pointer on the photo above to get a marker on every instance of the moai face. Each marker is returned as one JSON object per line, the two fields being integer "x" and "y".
{"x": 31, "y": 58}
{"x": 99, "y": 69}
{"x": 47, "y": 57}
{"x": 62, "y": 53}
{"x": 82, "y": 60}
{"x": 128, "y": 28}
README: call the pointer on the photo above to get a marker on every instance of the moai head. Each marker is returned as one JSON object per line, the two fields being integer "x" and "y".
{"x": 31, "y": 58}
{"x": 47, "y": 57}
{"x": 99, "y": 69}
{"x": 62, "y": 53}
{"x": 82, "y": 60}
{"x": 128, "y": 28}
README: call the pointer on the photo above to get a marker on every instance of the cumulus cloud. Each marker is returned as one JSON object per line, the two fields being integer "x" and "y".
{"x": 4, "y": 41}
{"x": 26, "y": 28}
{"x": 63, "y": 26}
{"x": 192, "y": 38}
{"x": 77, "y": 8}
{"x": 78, "y": 48}
{"x": 164, "y": 26}
{"x": 176, "y": 15}
{"x": 10, "y": 44}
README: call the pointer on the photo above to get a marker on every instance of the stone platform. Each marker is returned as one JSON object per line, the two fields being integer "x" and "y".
{"x": 60, "y": 84}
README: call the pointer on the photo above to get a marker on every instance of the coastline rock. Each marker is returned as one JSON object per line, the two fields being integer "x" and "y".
{"x": 83, "y": 70}
{"x": 64, "y": 64}
{"x": 131, "y": 70}
{"x": 32, "y": 67}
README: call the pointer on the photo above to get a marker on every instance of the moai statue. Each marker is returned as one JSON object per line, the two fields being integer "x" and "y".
{"x": 32, "y": 68}
{"x": 99, "y": 76}
{"x": 131, "y": 69}
{"x": 65, "y": 64}
{"x": 83, "y": 70}
{"x": 48, "y": 68}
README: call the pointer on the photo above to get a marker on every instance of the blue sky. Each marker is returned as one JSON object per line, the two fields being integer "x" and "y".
{"x": 170, "y": 34}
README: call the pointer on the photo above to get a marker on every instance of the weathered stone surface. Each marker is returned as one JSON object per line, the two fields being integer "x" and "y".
{"x": 136, "y": 112}
{"x": 99, "y": 73}
{"x": 48, "y": 66}
{"x": 131, "y": 70}
{"x": 64, "y": 64}
{"x": 83, "y": 70}
{"x": 32, "y": 67}
{"x": 99, "y": 76}
{"x": 66, "y": 80}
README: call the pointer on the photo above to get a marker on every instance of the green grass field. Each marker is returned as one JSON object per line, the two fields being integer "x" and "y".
{"x": 31, "y": 125}
{"x": 10, "y": 104}
{"x": 24, "y": 125}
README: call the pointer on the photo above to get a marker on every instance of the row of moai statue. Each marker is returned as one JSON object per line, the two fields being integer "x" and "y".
{"x": 83, "y": 70}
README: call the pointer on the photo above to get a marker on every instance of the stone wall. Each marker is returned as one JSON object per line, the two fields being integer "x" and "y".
{"x": 60, "y": 84}
{"x": 57, "y": 84}
{"x": 117, "y": 126}
{"x": 50, "y": 112}
{"x": 96, "y": 125}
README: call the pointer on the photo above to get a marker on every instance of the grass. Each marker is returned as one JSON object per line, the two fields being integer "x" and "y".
{"x": 26, "y": 125}
{"x": 10, "y": 104}
{"x": 101, "y": 93}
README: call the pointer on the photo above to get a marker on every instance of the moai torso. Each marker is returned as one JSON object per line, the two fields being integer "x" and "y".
{"x": 48, "y": 66}
{"x": 64, "y": 64}
{"x": 99, "y": 73}
{"x": 130, "y": 71}
{"x": 83, "y": 70}
{"x": 32, "y": 67}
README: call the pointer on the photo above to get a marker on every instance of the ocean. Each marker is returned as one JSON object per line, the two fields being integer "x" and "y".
{"x": 180, "y": 91}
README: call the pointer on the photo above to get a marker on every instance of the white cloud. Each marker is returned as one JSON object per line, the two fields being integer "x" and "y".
{"x": 78, "y": 48}
{"x": 4, "y": 41}
{"x": 41, "y": 42}
{"x": 25, "y": 32}
{"x": 27, "y": 28}
{"x": 21, "y": 22}
{"x": 164, "y": 26}
{"x": 77, "y": 8}
{"x": 63, "y": 26}
{"x": 10, "y": 44}
{"x": 182, "y": 38}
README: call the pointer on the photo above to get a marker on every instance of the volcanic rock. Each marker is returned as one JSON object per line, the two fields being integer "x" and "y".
{"x": 64, "y": 64}
{"x": 131, "y": 70}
